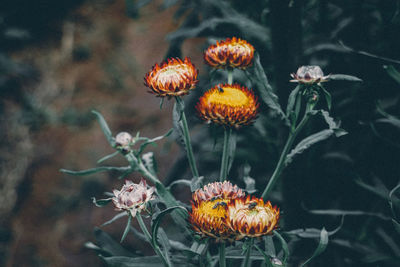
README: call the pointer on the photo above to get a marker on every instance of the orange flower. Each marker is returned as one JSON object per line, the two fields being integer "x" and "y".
{"x": 209, "y": 206}
{"x": 251, "y": 217}
{"x": 230, "y": 105}
{"x": 234, "y": 53}
{"x": 172, "y": 78}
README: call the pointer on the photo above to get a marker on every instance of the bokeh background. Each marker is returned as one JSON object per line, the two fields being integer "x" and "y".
{"x": 61, "y": 59}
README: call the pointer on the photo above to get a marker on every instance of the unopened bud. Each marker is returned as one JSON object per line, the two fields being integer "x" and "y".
{"x": 309, "y": 75}
{"x": 123, "y": 139}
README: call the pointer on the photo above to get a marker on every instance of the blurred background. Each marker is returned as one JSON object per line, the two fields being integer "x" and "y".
{"x": 61, "y": 59}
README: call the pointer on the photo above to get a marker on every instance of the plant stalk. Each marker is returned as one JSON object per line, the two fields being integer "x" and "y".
{"x": 186, "y": 136}
{"x": 222, "y": 259}
{"x": 149, "y": 238}
{"x": 281, "y": 163}
{"x": 246, "y": 260}
{"x": 225, "y": 154}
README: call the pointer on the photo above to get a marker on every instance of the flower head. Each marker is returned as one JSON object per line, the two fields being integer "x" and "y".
{"x": 234, "y": 53}
{"x": 209, "y": 206}
{"x": 133, "y": 197}
{"x": 173, "y": 77}
{"x": 229, "y": 105}
{"x": 251, "y": 217}
{"x": 309, "y": 75}
{"x": 123, "y": 140}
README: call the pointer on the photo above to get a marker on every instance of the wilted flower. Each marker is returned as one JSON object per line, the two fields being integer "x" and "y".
{"x": 251, "y": 217}
{"x": 173, "y": 77}
{"x": 309, "y": 75}
{"x": 133, "y": 197}
{"x": 209, "y": 206}
{"x": 234, "y": 53}
{"x": 123, "y": 140}
{"x": 229, "y": 105}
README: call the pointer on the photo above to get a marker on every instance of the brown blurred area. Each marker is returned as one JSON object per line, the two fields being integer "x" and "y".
{"x": 98, "y": 62}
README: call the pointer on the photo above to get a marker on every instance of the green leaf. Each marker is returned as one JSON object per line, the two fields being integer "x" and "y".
{"x": 148, "y": 261}
{"x": 163, "y": 238}
{"x": 95, "y": 170}
{"x": 180, "y": 182}
{"x": 156, "y": 222}
{"x": 392, "y": 73}
{"x": 266, "y": 257}
{"x": 390, "y": 199}
{"x": 176, "y": 122}
{"x": 344, "y": 77}
{"x": 308, "y": 142}
{"x": 378, "y": 188}
{"x": 104, "y": 127}
{"x": 109, "y": 246}
{"x": 328, "y": 97}
{"x": 101, "y": 202}
{"x": 292, "y": 101}
{"x": 259, "y": 78}
{"x": 269, "y": 246}
{"x": 285, "y": 247}
{"x": 150, "y": 162}
{"x": 349, "y": 212}
{"x": 313, "y": 232}
{"x": 152, "y": 141}
{"x": 116, "y": 217}
{"x": 127, "y": 228}
{"x": 396, "y": 225}
{"x": 107, "y": 157}
{"x": 323, "y": 243}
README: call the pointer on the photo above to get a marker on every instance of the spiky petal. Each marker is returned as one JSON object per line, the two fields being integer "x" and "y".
{"x": 229, "y": 105}
{"x": 231, "y": 52}
{"x": 173, "y": 77}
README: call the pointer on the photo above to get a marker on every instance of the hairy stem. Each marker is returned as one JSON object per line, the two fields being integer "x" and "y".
{"x": 225, "y": 154}
{"x": 288, "y": 146}
{"x": 185, "y": 129}
{"x": 149, "y": 239}
{"x": 222, "y": 259}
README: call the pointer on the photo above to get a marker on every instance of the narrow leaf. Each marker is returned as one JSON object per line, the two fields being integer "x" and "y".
{"x": 101, "y": 202}
{"x": 292, "y": 100}
{"x": 323, "y": 243}
{"x": 104, "y": 127}
{"x": 109, "y": 245}
{"x": 344, "y": 77}
{"x": 95, "y": 170}
{"x": 231, "y": 149}
{"x": 152, "y": 141}
{"x": 119, "y": 261}
{"x": 127, "y": 228}
{"x": 116, "y": 217}
{"x": 180, "y": 182}
{"x": 396, "y": 225}
{"x": 349, "y": 212}
{"x": 107, "y": 157}
{"x": 266, "y": 257}
{"x": 392, "y": 73}
{"x": 285, "y": 247}
{"x": 328, "y": 97}
{"x": 177, "y": 124}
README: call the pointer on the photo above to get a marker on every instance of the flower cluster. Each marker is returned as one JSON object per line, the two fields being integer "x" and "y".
{"x": 133, "y": 197}
{"x": 222, "y": 211}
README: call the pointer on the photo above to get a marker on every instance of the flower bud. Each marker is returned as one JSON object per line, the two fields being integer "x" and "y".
{"x": 309, "y": 75}
{"x": 123, "y": 139}
{"x": 133, "y": 197}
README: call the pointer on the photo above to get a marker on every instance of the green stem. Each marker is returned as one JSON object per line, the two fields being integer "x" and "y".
{"x": 222, "y": 260}
{"x": 230, "y": 76}
{"x": 149, "y": 239}
{"x": 246, "y": 260}
{"x": 225, "y": 154}
{"x": 186, "y": 136}
{"x": 281, "y": 163}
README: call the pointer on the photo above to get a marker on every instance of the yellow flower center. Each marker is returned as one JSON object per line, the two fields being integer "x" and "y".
{"x": 228, "y": 96}
{"x": 215, "y": 208}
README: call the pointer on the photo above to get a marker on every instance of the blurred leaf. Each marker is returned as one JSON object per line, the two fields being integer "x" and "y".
{"x": 196, "y": 183}
{"x": 349, "y": 212}
{"x": 104, "y": 127}
{"x": 396, "y": 225}
{"x": 323, "y": 243}
{"x": 231, "y": 149}
{"x": 390, "y": 198}
{"x": 116, "y": 217}
{"x": 152, "y": 141}
{"x": 107, "y": 157}
{"x": 127, "y": 228}
{"x": 101, "y": 202}
{"x": 259, "y": 78}
{"x": 266, "y": 257}
{"x": 156, "y": 222}
{"x": 284, "y": 247}
{"x": 269, "y": 246}
{"x": 150, "y": 162}
{"x": 327, "y": 96}
{"x": 292, "y": 101}
{"x": 95, "y": 170}
{"x": 344, "y": 77}
{"x": 392, "y": 73}
{"x": 378, "y": 188}
{"x": 148, "y": 261}
{"x": 248, "y": 181}
{"x": 163, "y": 238}
{"x": 180, "y": 182}
{"x": 109, "y": 245}
{"x": 313, "y": 232}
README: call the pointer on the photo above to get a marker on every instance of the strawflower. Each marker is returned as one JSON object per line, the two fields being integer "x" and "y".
{"x": 309, "y": 75}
